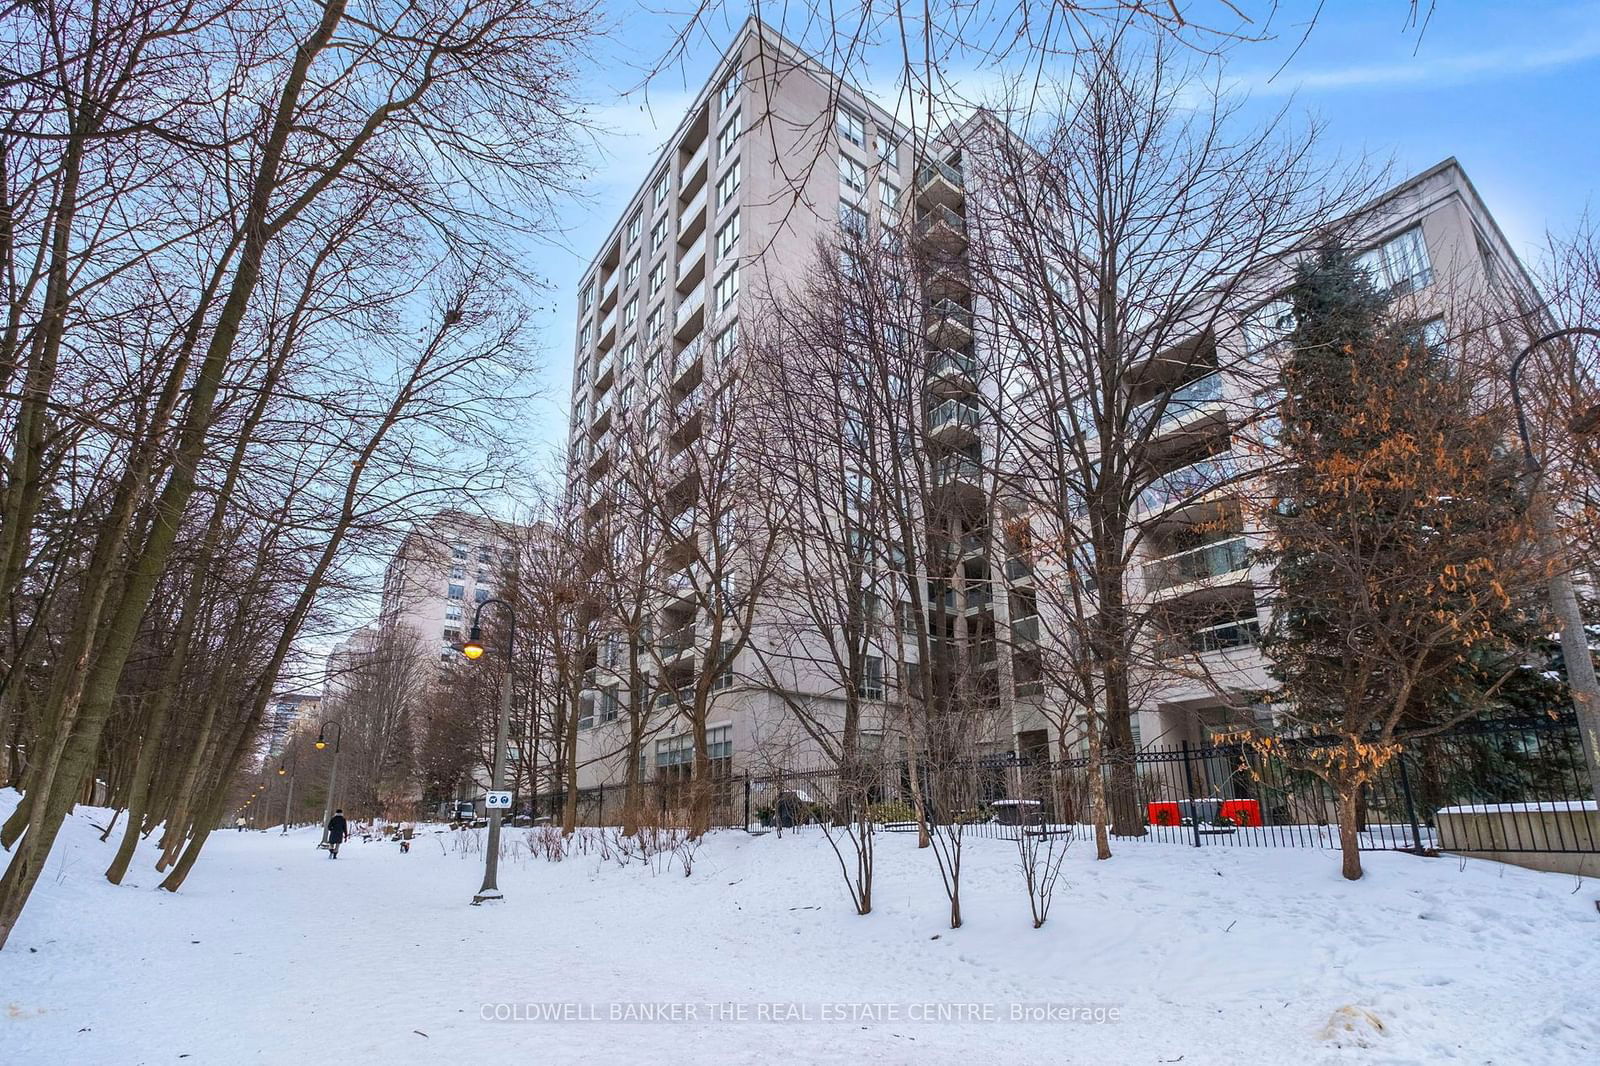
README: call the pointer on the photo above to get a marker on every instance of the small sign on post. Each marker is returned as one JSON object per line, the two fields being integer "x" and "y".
{"x": 497, "y": 801}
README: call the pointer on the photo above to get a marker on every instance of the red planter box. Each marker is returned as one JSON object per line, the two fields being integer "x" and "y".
{"x": 1241, "y": 812}
{"x": 1163, "y": 814}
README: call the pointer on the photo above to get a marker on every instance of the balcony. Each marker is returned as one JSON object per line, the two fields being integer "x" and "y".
{"x": 1025, "y": 630}
{"x": 1197, "y": 564}
{"x": 954, "y": 470}
{"x": 949, "y": 325}
{"x": 954, "y": 418}
{"x": 1182, "y": 402}
{"x": 943, "y": 229}
{"x": 679, "y": 585}
{"x": 690, "y": 317}
{"x": 1186, "y": 484}
{"x": 1019, "y": 570}
{"x": 608, "y": 331}
{"x": 689, "y": 405}
{"x": 952, "y": 367}
{"x": 604, "y": 373}
{"x": 677, "y": 642}
{"x": 1223, "y": 636}
{"x": 680, "y": 697}
{"x": 694, "y": 171}
{"x": 692, "y": 222}
{"x": 599, "y": 456}
{"x": 692, "y": 264}
{"x": 978, "y": 599}
{"x": 608, "y": 290}
{"x": 948, "y": 280}
{"x": 602, "y": 418}
{"x": 940, "y": 183}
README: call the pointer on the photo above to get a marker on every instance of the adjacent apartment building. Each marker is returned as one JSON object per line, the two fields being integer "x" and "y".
{"x": 775, "y": 153}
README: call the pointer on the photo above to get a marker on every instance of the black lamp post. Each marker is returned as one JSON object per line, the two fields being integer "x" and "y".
{"x": 473, "y": 649}
{"x": 333, "y": 770}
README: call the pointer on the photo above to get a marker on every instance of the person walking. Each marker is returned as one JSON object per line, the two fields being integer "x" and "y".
{"x": 338, "y": 829}
{"x": 238, "y": 824}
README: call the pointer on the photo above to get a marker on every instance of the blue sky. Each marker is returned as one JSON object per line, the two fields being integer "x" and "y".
{"x": 1511, "y": 90}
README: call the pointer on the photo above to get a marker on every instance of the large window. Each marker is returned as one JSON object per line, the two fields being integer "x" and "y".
{"x": 675, "y": 751}
{"x": 1400, "y": 264}
{"x": 719, "y": 742}
{"x": 456, "y": 592}
{"x": 852, "y": 127}
{"x": 629, "y": 350}
{"x": 631, "y": 273}
{"x": 727, "y": 288}
{"x": 728, "y": 139}
{"x": 658, "y": 277}
{"x": 652, "y": 325}
{"x": 871, "y": 687}
{"x": 727, "y": 185}
{"x": 659, "y": 194}
{"x": 728, "y": 237}
{"x": 730, "y": 88}
{"x": 888, "y": 194}
{"x": 885, "y": 146}
{"x": 586, "y": 298}
{"x": 635, "y": 224}
{"x": 658, "y": 234}
{"x": 1268, "y": 325}
{"x": 630, "y": 312}
{"x": 726, "y": 344}
{"x": 852, "y": 220}
{"x": 852, "y": 175}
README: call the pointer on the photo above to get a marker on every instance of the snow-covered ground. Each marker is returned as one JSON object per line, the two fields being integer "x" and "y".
{"x": 272, "y": 953}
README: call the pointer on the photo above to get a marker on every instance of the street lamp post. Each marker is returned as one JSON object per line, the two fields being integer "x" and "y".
{"x": 333, "y": 771}
{"x": 1563, "y": 598}
{"x": 288, "y": 798}
{"x": 473, "y": 650}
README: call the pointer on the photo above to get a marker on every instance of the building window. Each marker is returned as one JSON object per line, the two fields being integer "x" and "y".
{"x": 635, "y": 224}
{"x": 727, "y": 185}
{"x": 630, "y": 313}
{"x": 485, "y": 553}
{"x": 728, "y": 237}
{"x": 658, "y": 234}
{"x": 663, "y": 185}
{"x": 852, "y": 127}
{"x": 658, "y": 277}
{"x": 586, "y": 714}
{"x": 625, "y": 396}
{"x": 727, "y": 288}
{"x": 452, "y": 634}
{"x": 888, "y": 194}
{"x": 885, "y": 146}
{"x": 728, "y": 139}
{"x": 726, "y": 344}
{"x": 871, "y": 687}
{"x": 586, "y": 299}
{"x": 452, "y": 612}
{"x": 458, "y": 572}
{"x": 631, "y": 273}
{"x": 719, "y": 742}
{"x": 852, "y": 220}
{"x": 724, "y": 678}
{"x": 456, "y": 592}
{"x": 852, "y": 176}
{"x": 458, "y": 551}
{"x": 675, "y": 751}
{"x": 480, "y": 595}
{"x": 729, "y": 92}
{"x": 629, "y": 350}
{"x": 1400, "y": 264}
{"x": 1267, "y": 325}
{"x": 608, "y": 704}
{"x": 652, "y": 325}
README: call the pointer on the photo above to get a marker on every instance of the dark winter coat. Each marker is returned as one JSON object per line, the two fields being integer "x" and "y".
{"x": 337, "y": 829}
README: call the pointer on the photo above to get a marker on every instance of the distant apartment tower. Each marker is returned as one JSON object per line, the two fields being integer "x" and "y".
{"x": 288, "y": 713}
{"x": 443, "y": 569}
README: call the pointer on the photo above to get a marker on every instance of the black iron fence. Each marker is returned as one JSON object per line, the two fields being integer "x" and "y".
{"x": 1501, "y": 785}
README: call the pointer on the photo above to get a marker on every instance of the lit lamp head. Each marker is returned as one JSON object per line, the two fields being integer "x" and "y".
{"x": 282, "y": 771}
{"x": 473, "y": 648}
{"x": 321, "y": 742}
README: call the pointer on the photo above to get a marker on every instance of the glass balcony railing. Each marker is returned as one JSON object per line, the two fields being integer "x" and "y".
{"x": 949, "y": 309}
{"x": 1180, "y": 403}
{"x": 1197, "y": 564}
{"x": 956, "y": 468}
{"x": 677, "y": 642}
{"x": 1019, "y": 569}
{"x": 935, "y": 169}
{"x": 1187, "y": 482}
{"x": 953, "y": 413}
{"x": 978, "y": 599}
{"x": 940, "y": 215}
{"x": 952, "y": 362}
{"x": 1026, "y": 629}
{"x": 1236, "y": 633}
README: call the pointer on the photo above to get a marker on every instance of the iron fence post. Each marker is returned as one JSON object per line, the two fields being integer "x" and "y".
{"x": 1411, "y": 807}
{"x": 1188, "y": 782}
{"x": 747, "y": 803}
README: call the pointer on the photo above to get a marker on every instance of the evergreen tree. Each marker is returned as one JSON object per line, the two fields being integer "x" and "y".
{"x": 1398, "y": 539}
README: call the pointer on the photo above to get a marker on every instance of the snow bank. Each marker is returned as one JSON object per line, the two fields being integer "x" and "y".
{"x": 275, "y": 954}
{"x": 1504, "y": 808}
